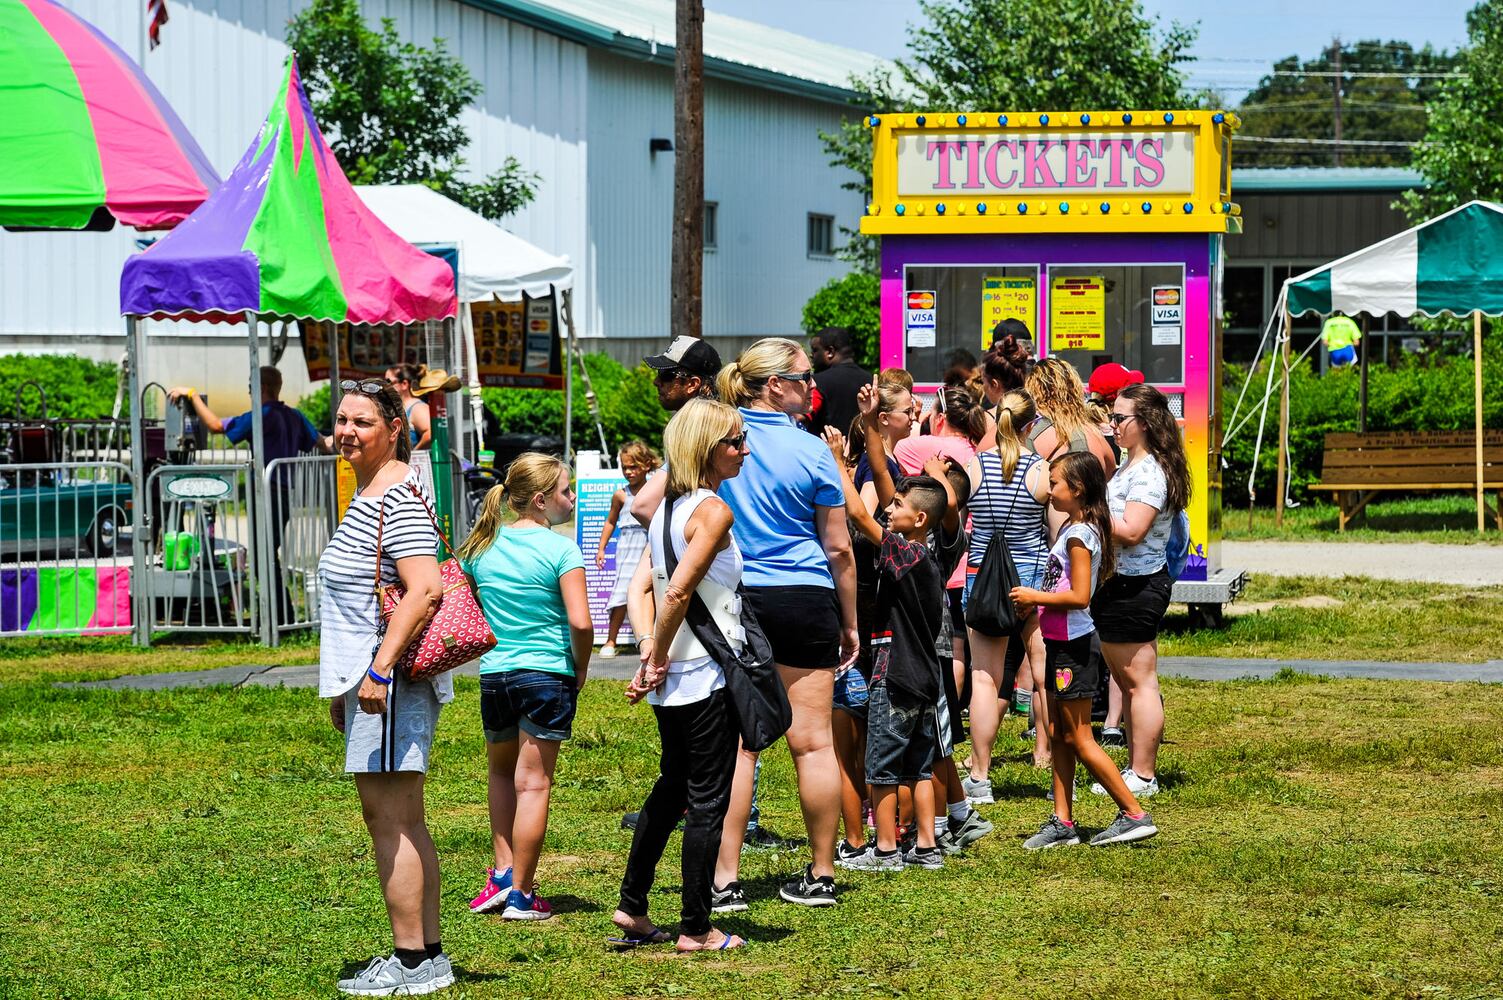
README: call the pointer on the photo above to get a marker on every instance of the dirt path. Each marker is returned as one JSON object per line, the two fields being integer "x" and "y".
{"x": 1467, "y": 565}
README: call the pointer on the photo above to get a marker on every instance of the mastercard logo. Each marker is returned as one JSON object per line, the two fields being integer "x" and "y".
{"x": 920, "y": 300}
{"x": 1166, "y": 296}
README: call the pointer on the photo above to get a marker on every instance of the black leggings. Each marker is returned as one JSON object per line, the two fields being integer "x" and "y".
{"x": 699, "y": 760}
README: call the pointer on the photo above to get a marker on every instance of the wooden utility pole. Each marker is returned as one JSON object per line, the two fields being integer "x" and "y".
{"x": 688, "y": 169}
{"x": 1336, "y": 65}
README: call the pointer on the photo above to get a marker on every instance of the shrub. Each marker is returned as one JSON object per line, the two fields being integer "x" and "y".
{"x": 854, "y": 302}
{"x": 315, "y": 407}
{"x": 76, "y": 388}
{"x": 628, "y": 403}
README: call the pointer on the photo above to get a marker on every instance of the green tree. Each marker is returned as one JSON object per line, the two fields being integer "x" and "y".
{"x": 1297, "y": 102}
{"x": 1014, "y": 55}
{"x": 1462, "y": 156}
{"x": 390, "y": 109}
{"x": 854, "y": 302}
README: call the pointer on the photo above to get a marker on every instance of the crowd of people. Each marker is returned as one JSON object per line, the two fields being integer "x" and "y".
{"x": 827, "y": 516}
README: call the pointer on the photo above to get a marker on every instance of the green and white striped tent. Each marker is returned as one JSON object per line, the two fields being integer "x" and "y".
{"x": 1450, "y": 264}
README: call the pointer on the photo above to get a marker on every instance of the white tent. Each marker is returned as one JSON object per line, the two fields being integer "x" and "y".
{"x": 493, "y": 263}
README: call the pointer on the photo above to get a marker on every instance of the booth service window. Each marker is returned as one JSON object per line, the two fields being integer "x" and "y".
{"x": 712, "y": 211}
{"x": 821, "y": 235}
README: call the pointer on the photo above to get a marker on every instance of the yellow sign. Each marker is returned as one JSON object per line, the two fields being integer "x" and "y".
{"x": 344, "y": 482}
{"x": 518, "y": 344}
{"x": 1121, "y": 171}
{"x": 1006, "y": 298}
{"x": 1077, "y": 314}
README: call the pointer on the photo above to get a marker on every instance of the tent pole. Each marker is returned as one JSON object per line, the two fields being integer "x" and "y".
{"x": 264, "y": 607}
{"x": 141, "y": 515}
{"x": 1278, "y": 501}
{"x": 1362, "y": 381}
{"x": 1477, "y": 402}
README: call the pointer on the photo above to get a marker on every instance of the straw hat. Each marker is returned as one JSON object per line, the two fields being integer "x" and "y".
{"x": 434, "y": 380}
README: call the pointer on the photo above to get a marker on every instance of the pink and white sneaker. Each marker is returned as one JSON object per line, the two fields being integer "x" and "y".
{"x": 520, "y": 906}
{"x": 497, "y": 885}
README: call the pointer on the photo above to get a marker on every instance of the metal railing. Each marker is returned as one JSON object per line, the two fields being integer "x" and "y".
{"x": 199, "y": 558}
{"x": 65, "y": 568}
{"x": 302, "y": 494}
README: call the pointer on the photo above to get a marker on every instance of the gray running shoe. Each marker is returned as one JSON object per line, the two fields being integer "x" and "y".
{"x": 930, "y": 858}
{"x": 1112, "y": 737}
{"x": 948, "y": 844}
{"x": 872, "y": 860}
{"x": 1125, "y": 830}
{"x": 728, "y": 900}
{"x": 970, "y": 829}
{"x": 978, "y": 791}
{"x": 443, "y": 971}
{"x": 386, "y": 977}
{"x": 1052, "y": 834}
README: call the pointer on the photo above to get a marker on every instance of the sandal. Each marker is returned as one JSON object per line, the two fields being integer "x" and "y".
{"x": 727, "y": 943}
{"x": 629, "y": 940}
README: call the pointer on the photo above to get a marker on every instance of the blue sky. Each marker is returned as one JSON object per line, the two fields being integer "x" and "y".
{"x": 1238, "y": 41}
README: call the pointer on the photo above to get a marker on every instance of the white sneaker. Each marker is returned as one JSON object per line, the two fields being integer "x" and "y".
{"x": 608, "y": 651}
{"x": 978, "y": 791}
{"x": 385, "y": 977}
{"x": 1141, "y": 788}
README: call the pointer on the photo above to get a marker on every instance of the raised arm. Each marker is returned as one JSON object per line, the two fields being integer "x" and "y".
{"x": 856, "y": 513}
{"x": 209, "y": 418}
{"x": 876, "y": 448}
{"x": 939, "y": 469}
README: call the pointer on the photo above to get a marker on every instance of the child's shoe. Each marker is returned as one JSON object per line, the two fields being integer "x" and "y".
{"x": 978, "y": 791}
{"x": 608, "y": 651}
{"x": 520, "y": 906}
{"x": 497, "y": 886}
{"x": 1141, "y": 788}
{"x": 1053, "y": 833}
{"x": 969, "y": 830}
{"x": 931, "y": 858}
{"x": 870, "y": 859}
{"x": 1125, "y": 830}
{"x": 807, "y": 890}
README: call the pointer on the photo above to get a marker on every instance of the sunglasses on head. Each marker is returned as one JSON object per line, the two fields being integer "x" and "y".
{"x": 369, "y": 386}
{"x": 669, "y": 375}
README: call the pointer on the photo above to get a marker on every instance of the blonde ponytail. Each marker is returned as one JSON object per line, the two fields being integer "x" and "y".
{"x": 743, "y": 381}
{"x": 528, "y": 475}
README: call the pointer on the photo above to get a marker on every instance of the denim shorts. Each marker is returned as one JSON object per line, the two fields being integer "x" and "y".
{"x": 1029, "y": 575}
{"x": 536, "y": 701}
{"x": 900, "y": 737}
{"x": 851, "y": 692}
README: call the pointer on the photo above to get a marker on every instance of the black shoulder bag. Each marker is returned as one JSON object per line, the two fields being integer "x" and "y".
{"x": 757, "y": 697}
{"x": 990, "y": 610}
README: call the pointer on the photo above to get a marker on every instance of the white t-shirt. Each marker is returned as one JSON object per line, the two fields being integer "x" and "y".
{"x": 1076, "y": 622}
{"x": 1142, "y": 481}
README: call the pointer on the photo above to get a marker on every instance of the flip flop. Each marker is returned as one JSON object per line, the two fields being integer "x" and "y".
{"x": 629, "y": 940}
{"x": 724, "y": 945}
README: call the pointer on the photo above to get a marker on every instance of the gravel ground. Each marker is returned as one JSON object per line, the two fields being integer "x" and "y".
{"x": 1426, "y": 562}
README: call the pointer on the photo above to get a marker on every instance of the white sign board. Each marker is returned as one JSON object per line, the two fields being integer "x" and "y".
{"x": 978, "y": 164}
{"x": 1167, "y": 306}
{"x": 919, "y": 317}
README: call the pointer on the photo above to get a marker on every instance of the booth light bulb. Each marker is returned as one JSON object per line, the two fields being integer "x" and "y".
{"x": 1064, "y": 207}
{"x": 1022, "y": 208}
{"x": 960, "y": 119}
{"x": 1106, "y": 208}
{"x": 1226, "y": 207}
{"x": 1189, "y": 208}
{"x": 1043, "y": 119}
{"x": 1146, "y": 208}
{"x": 1127, "y": 118}
{"x": 1168, "y": 117}
{"x": 1218, "y": 118}
{"x": 919, "y": 121}
{"x": 873, "y": 208}
{"x": 1085, "y": 119}
{"x": 900, "y": 208}
{"x": 1001, "y": 119}
{"x": 980, "y": 208}
{"x": 874, "y": 121}
{"x": 939, "y": 209}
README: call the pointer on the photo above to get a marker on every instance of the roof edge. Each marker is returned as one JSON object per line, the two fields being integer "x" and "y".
{"x": 595, "y": 35}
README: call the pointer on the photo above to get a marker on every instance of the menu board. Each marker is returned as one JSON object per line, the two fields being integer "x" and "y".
{"x": 1077, "y": 314}
{"x": 1006, "y": 298}
{"x": 364, "y": 351}
{"x": 517, "y": 343}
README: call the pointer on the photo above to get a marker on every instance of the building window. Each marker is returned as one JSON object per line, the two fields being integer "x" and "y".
{"x": 821, "y": 235}
{"x": 711, "y": 217}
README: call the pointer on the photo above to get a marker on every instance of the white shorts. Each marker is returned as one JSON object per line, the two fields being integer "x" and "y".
{"x": 397, "y": 740}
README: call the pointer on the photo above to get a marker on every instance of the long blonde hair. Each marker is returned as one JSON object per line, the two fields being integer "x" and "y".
{"x": 690, "y": 439}
{"x": 528, "y": 475}
{"x": 1015, "y": 410}
{"x": 1059, "y": 395}
{"x": 742, "y": 382}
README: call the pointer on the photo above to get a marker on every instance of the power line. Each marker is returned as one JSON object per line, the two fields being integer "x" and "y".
{"x": 1321, "y": 105}
{"x": 1407, "y": 143}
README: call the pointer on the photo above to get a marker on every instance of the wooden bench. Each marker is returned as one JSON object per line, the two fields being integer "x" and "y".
{"x": 1356, "y": 467}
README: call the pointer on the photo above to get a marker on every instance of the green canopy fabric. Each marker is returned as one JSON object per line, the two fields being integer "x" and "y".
{"x": 1450, "y": 264}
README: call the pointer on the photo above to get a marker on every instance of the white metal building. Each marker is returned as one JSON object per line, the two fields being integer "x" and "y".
{"x": 574, "y": 89}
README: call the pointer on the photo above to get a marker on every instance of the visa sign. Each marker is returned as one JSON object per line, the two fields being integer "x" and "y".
{"x": 984, "y": 163}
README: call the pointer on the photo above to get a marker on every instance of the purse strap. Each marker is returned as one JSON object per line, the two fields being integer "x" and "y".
{"x": 381, "y": 524}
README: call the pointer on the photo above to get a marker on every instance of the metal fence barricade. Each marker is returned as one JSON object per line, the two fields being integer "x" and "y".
{"x": 302, "y": 493}
{"x": 65, "y": 563}
{"x": 199, "y": 551}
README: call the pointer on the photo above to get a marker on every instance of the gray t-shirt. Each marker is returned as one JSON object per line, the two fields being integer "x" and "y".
{"x": 1142, "y": 481}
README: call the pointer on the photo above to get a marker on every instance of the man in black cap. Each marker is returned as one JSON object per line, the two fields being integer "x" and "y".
{"x": 684, "y": 371}
{"x": 837, "y": 380}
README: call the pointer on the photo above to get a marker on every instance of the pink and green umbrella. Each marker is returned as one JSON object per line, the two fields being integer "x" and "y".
{"x": 85, "y": 139}
{"x": 286, "y": 236}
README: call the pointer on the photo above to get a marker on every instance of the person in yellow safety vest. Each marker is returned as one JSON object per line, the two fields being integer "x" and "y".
{"x": 1341, "y": 335}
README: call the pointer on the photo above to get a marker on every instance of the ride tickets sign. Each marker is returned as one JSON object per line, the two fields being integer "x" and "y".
{"x": 990, "y": 163}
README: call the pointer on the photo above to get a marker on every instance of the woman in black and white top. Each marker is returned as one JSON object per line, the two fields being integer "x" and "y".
{"x": 387, "y": 722}
{"x": 705, "y": 444}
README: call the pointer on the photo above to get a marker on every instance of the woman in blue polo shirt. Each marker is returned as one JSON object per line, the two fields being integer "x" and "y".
{"x": 800, "y": 583}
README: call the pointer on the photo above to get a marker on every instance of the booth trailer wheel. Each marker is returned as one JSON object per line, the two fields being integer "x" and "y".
{"x": 1207, "y": 616}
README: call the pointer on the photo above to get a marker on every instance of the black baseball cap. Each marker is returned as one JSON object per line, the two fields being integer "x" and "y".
{"x": 691, "y": 354}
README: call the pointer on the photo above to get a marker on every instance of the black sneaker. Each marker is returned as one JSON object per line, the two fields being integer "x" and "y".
{"x": 1112, "y": 738}
{"x": 759, "y": 838}
{"x": 844, "y": 852}
{"x": 806, "y": 890}
{"x": 629, "y": 821}
{"x": 728, "y": 900}
{"x": 1028, "y": 735}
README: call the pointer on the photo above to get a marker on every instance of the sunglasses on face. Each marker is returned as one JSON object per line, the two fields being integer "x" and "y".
{"x": 735, "y": 441}
{"x": 669, "y": 375}
{"x": 1118, "y": 419}
{"x": 802, "y": 376}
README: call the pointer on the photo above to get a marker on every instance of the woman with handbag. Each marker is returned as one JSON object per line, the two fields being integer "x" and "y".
{"x": 387, "y": 720}
{"x": 681, "y": 678}
{"x": 531, "y": 583}
{"x": 1009, "y": 493}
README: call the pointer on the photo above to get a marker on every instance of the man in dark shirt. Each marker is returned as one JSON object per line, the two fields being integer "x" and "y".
{"x": 837, "y": 379}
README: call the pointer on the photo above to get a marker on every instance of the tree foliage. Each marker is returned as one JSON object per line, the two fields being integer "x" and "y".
{"x": 1462, "y": 157}
{"x": 854, "y": 302}
{"x": 1015, "y": 55}
{"x": 1303, "y": 106}
{"x": 390, "y": 109}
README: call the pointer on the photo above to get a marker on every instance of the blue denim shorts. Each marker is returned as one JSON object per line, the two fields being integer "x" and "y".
{"x": 1029, "y": 575}
{"x": 539, "y": 702}
{"x": 851, "y": 692}
{"x": 900, "y": 739}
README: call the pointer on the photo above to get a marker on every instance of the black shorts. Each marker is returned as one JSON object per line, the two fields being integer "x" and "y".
{"x": 901, "y": 737}
{"x": 1131, "y": 608}
{"x": 1072, "y": 668}
{"x": 802, "y": 624}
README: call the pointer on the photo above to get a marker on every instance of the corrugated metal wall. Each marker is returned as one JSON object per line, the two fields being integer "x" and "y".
{"x": 765, "y": 169}
{"x": 1313, "y": 226}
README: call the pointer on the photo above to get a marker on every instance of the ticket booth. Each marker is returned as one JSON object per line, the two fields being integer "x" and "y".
{"x": 1102, "y": 231}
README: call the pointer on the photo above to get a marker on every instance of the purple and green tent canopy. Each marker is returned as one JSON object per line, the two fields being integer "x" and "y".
{"x": 85, "y": 139}
{"x": 286, "y": 237}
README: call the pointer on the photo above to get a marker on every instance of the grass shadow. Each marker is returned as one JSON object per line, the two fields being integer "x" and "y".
{"x": 575, "y": 904}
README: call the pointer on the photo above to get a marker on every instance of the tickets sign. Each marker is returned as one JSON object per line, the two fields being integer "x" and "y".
{"x": 1077, "y": 313}
{"x": 982, "y": 163}
{"x": 1005, "y": 298}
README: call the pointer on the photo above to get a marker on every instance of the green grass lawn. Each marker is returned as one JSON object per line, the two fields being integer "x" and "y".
{"x": 1439, "y": 517}
{"x": 1320, "y": 839}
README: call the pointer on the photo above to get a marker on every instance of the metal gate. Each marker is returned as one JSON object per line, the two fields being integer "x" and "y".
{"x": 197, "y": 553}
{"x": 303, "y": 495}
